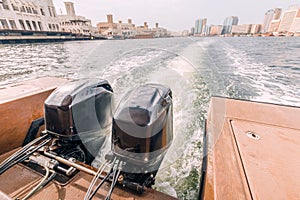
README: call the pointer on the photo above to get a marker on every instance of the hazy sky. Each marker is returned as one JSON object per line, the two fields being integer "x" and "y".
{"x": 175, "y": 14}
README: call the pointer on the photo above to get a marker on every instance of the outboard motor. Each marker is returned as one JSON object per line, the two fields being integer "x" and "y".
{"x": 80, "y": 112}
{"x": 143, "y": 131}
{"x": 78, "y": 118}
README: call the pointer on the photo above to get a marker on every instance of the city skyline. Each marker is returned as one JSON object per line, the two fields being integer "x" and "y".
{"x": 175, "y": 14}
{"x": 273, "y": 25}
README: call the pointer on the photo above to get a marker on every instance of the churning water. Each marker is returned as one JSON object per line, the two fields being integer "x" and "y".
{"x": 261, "y": 69}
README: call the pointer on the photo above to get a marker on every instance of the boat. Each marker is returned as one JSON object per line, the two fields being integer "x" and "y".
{"x": 49, "y": 139}
{"x": 250, "y": 151}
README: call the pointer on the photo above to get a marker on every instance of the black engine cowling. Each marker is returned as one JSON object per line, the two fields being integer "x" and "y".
{"x": 143, "y": 127}
{"x": 80, "y": 112}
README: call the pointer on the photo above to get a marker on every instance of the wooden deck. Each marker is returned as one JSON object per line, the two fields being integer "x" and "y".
{"x": 20, "y": 104}
{"x": 20, "y": 180}
{"x": 253, "y": 151}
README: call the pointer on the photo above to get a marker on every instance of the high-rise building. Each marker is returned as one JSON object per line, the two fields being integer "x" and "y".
{"x": 267, "y": 19}
{"x": 192, "y": 31}
{"x": 199, "y": 25}
{"x": 241, "y": 29}
{"x": 295, "y": 28}
{"x": 273, "y": 14}
{"x": 215, "y": 30}
{"x": 228, "y": 23}
{"x": 206, "y": 30}
{"x": 277, "y": 13}
{"x": 204, "y": 21}
{"x": 255, "y": 28}
{"x": 288, "y": 19}
{"x": 274, "y": 25}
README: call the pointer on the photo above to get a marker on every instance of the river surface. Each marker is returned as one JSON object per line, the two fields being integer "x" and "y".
{"x": 260, "y": 69}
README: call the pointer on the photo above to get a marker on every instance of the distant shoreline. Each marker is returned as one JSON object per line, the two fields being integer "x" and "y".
{"x": 18, "y": 36}
{"x": 251, "y": 35}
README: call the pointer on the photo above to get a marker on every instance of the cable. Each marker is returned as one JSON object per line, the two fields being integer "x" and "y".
{"x": 96, "y": 177}
{"x": 103, "y": 180}
{"x": 39, "y": 186}
{"x": 20, "y": 151}
{"x": 94, "y": 180}
{"x": 21, "y": 156}
{"x": 115, "y": 179}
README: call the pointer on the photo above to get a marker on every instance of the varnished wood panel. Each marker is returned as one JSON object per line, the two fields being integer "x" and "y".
{"x": 242, "y": 169}
{"x": 20, "y": 104}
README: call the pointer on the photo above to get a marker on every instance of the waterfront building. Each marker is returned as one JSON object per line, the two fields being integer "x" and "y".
{"x": 204, "y": 21}
{"x": 199, "y": 25}
{"x": 277, "y": 13}
{"x": 29, "y": 15}
{"x": 120, "y": 29}
{"x": 255, "y": 28}
{"x": 228, "y": 23}
{"x": 242, "y": 29}
{"x": 270, "y": 15}
{"x": 144, "y": 32}
{"x": 288, "y": 19}
{"x": 74, "y": 23}
{"x": 192, "y": 31}
{"x": 108, "y": 28}
{"x": 274, "y": 25}
{"x": 215, "y": 30}
{"x": 95, "y": 32}
{"x": 206, "y": 30}
{"x": 267, "y": 19}
{"x": 185, "y": 33}
{"x": 295, "y": 28}
{"x": 127, "y": 30}
{"x": 161, "y": 32}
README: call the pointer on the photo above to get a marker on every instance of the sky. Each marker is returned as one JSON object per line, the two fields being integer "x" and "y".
{"x": 176, "y": 15}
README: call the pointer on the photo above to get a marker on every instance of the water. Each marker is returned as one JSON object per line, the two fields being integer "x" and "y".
{"x": 261, "y": 69}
